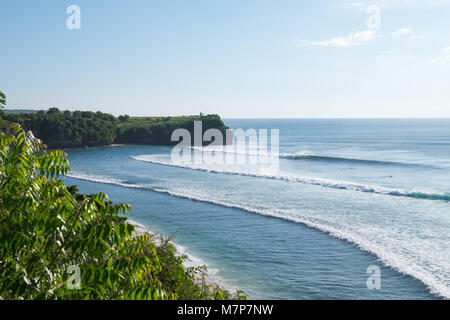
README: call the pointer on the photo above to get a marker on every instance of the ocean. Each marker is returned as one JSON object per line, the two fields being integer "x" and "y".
{"x": 349, "y": 196}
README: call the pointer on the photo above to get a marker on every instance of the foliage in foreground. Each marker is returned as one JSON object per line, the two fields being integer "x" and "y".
{"x": 46, "y": 229}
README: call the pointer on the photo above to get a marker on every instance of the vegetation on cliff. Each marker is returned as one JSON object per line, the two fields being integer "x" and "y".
{"x": 66, "y": 129}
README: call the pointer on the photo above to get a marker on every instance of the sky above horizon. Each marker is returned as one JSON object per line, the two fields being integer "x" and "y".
{"x": 236, "y": 58}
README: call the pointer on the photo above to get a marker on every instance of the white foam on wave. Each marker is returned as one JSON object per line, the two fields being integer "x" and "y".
{"x": 301, "y": 155}
{"x": 253, "y": 152}
{"x": 329, "y": 183}
{"x": 433, "y": 274}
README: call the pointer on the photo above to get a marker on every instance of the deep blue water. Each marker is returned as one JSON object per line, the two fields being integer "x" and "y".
{"x": 348, "y": 194}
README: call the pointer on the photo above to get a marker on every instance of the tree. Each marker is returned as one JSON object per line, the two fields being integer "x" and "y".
{"x": 49, "y": 234}
{"x": 53, "y": 111}
{"x": 124, "y": 118}
{"x": 45, "y": 231}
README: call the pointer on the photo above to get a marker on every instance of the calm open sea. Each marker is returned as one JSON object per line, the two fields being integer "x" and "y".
{"x": 348, "y": 194}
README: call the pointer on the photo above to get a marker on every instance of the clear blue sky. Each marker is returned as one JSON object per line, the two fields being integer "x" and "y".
{"x": 237, "y": 58}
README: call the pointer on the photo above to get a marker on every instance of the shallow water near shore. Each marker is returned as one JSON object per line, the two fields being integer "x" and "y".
{"x": 349, "y": 194}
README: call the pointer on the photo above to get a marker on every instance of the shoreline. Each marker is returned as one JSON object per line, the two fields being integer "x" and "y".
{"x": 112, "y": 145}
{"x": 210, "y": 279}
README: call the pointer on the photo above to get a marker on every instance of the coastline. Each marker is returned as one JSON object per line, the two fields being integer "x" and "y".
{"x": 116, "y": 145}
{"x": 210, "y": 279}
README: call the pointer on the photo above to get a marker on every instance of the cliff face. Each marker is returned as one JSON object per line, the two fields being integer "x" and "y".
{"x": 88, "y": 129}
{"x": 148, "y": 131}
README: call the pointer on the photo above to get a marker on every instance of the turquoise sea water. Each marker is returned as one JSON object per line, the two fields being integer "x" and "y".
{"x": 348, "y": 194}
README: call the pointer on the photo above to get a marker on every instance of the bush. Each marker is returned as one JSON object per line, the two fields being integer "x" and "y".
{"x": 47, "y": 230}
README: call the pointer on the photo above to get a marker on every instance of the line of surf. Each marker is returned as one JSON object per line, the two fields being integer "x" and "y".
{"x": 435, "y": 284}
{"x": 343, "y": 185}
{"x": 307, "y": 156}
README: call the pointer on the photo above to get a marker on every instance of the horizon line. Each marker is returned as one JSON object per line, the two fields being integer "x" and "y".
{"x": 260, "y": 118}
